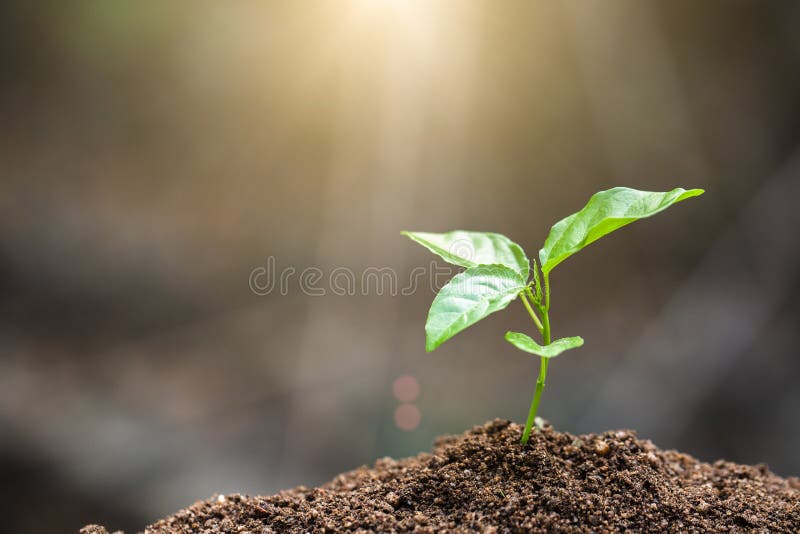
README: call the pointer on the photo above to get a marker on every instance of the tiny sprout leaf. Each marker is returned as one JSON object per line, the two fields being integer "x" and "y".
{"x": 523, "y": 342}
{"x": 469, "y": 249}
{"x": 605, "y": 212}
{"x": 469, "y": 297}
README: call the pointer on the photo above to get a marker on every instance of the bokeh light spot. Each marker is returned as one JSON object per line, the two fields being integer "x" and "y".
{"x": 407, "y": 417}
{"x": 406, "y": 388}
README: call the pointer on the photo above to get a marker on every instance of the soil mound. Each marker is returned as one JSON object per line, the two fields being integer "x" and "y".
{"x": 484, "y": 481}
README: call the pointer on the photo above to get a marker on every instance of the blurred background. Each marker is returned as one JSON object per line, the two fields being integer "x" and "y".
{"x": 154, "y": 155}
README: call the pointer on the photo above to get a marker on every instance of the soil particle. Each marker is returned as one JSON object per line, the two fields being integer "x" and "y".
{"x": 601, "y": 447}
{"x": 484, "y": 481}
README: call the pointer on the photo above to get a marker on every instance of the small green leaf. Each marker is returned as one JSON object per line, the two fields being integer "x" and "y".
{"x": 605, "y": 212}
{"x": 523, "y": 342}
{"x": 468, "y": 249}
{"x": 469, "y": 297}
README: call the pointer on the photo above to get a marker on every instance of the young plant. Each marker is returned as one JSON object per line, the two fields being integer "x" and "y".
{"x": 497, "y": 272}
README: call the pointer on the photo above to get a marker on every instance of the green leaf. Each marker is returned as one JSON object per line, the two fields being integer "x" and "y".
{"x": 605, "y": 212}
{"x": 523, "y": 342}
{"x": 469, "y": 297}
{"x": 469, "y": 249}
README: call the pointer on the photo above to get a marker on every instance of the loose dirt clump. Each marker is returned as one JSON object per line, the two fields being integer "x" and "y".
{"x": 484, "y": 481}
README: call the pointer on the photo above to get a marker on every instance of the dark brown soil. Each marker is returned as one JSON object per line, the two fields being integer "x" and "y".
{"x": 484, "y": 481}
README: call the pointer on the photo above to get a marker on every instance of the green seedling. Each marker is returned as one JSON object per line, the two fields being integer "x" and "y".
{"x": 498, "y": 271}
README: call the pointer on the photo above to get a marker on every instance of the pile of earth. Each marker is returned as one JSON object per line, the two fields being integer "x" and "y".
{"x": 485, "y": 481}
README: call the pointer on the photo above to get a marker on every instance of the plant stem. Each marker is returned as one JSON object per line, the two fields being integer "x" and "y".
{"x": 547, "y": 295}
{"x": 531, "y": 312}
{"x": 537, "y": 396}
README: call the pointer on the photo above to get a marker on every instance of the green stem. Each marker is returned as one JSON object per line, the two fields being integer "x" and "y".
{"x": 537, "y": 396}
{"x": 531, "y": 312}
{"x": 545, "y": 326}
{"x": 547, "y": 294}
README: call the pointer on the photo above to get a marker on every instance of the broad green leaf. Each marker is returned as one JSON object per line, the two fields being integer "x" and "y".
{"x": 605, "y": 212}
{"x": 469, "y": 297}
{"x": 468, "y": 249}
{"x": 523, "y": 342}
